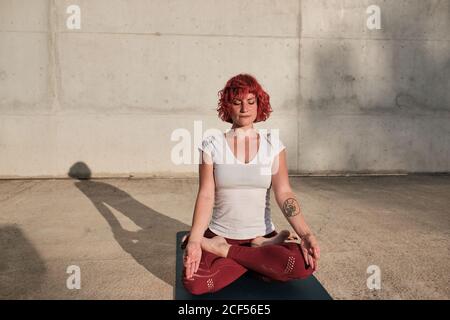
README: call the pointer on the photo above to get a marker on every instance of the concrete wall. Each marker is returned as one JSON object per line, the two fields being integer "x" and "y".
{"x": 375, "y": 100}
{"x": 109, "y": 95}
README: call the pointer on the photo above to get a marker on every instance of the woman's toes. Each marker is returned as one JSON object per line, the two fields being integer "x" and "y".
{"x": 279, "y": 238}
{"x": 284, "y": 234}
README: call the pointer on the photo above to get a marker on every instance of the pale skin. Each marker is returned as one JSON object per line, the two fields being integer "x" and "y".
{"x": 243, "y": 114}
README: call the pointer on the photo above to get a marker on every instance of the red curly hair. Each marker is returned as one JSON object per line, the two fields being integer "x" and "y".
{"x": 238, "y": 87}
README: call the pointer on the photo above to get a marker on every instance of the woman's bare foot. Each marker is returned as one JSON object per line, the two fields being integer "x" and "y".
{"x": 279, "y": 238}
{"x": 217, "y": 245}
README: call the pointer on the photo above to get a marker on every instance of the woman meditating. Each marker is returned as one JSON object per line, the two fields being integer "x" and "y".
{"x": 236, "y": 172}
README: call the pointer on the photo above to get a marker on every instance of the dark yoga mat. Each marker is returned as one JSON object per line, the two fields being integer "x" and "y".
{"x": 249, "y": 287}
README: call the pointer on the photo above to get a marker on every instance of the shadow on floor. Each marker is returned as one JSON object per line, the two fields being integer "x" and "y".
{"x": 153, "y": 246}
{"x": 21, "y": 268}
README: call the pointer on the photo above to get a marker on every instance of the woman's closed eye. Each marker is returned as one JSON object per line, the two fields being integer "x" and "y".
{"x": 237, "y": 102}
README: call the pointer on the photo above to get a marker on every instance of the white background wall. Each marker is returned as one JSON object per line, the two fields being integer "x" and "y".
{"x": 346, "y": 99}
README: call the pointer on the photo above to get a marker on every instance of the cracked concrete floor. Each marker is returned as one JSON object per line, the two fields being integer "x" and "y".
{"x": 121, "y": 233}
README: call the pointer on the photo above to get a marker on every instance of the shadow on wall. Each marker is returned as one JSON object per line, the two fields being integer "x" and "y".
{"x": 21, "y": 268}
{"x": 153, "y": 247}
{"x": 398, "y": 76}
{"x": 422, "y": 70}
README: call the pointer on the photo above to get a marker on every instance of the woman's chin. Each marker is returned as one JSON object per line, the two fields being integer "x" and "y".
{"x": 245, "y": 121}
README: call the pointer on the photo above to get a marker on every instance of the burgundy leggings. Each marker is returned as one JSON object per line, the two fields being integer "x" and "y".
{"x": 276, "y": 262}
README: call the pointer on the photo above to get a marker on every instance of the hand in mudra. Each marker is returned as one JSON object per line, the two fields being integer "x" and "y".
{"x": 311, "y": 251}
{"x": 191, "y": 258}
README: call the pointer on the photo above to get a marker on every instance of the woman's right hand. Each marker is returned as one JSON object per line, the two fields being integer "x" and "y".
{"x": 192, "y": 257}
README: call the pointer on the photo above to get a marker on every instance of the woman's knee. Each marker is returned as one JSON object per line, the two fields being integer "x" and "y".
{"x": 198, "y": 286}
{"x": 296, "y": 267}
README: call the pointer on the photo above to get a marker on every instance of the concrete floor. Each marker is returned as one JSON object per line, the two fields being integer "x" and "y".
{"x": 121, "y": 233}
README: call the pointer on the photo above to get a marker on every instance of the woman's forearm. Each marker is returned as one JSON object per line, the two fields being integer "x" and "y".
{"x": 201, "y": 217}
{"x": 290, "y": 207}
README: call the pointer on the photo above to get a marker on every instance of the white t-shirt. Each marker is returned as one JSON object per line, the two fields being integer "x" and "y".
{"x": 242, "y": 193}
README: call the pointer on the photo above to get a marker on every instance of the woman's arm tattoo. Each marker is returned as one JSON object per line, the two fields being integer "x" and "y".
{"x": 291, "y": 207}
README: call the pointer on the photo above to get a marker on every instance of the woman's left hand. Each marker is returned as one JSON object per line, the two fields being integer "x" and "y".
{"x": 311, "y": 251}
